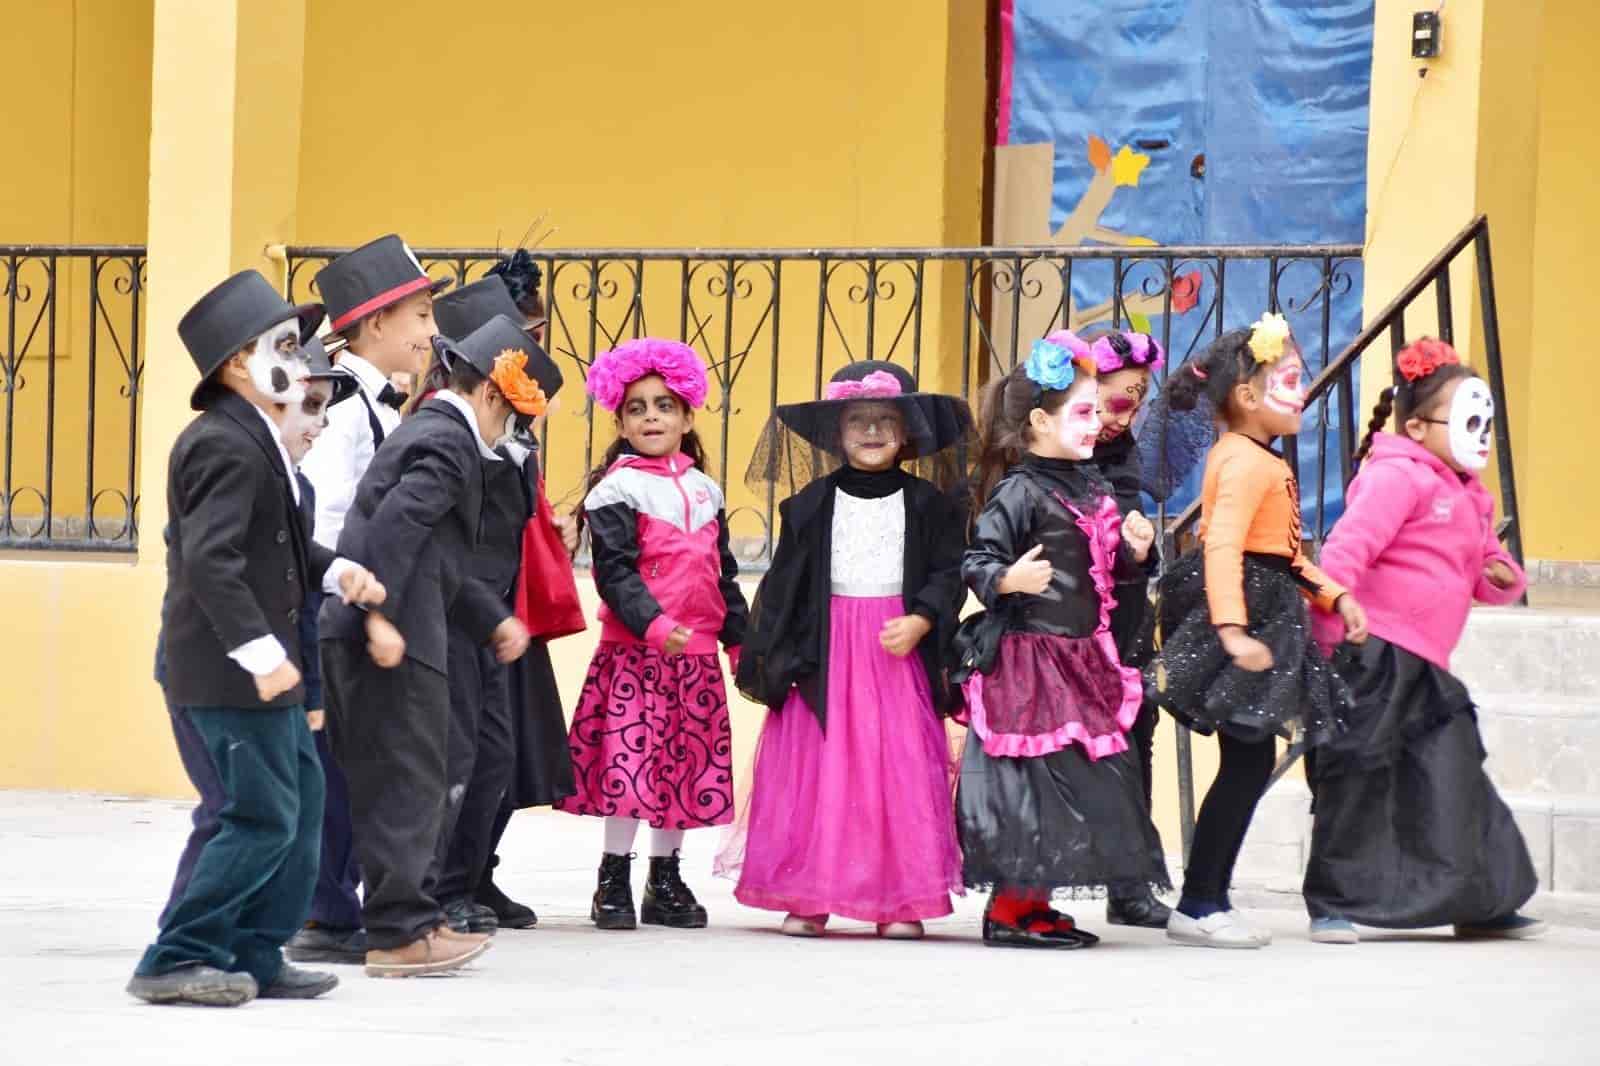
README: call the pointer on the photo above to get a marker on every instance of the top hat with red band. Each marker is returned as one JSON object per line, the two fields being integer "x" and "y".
{"x": 370, "y": 278}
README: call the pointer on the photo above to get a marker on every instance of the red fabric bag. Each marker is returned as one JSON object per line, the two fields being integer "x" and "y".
{"x": 547, "y": 591}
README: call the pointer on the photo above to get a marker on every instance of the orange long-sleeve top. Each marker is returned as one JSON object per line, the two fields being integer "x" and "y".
{"x": 1250, "y": 502}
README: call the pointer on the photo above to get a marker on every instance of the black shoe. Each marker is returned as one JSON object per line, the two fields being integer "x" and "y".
{"x": 466, "y": 916}
{"x": 1142, "y": 910}
{"x": 510, "y": 913}
{"x": 202, "y": 985}
{"x": 1062, "y": 936}
{"x": 667, "y": 900}
{"x": 326, "y": 944}
{"x": 613, "y": 896}
{"x": 294, "y": 983}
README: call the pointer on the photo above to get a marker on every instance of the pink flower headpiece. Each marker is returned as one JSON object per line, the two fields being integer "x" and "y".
{"x": 1122, "y": 349}
{"x": 677, "y": 364}
{"x": 877, "y": 385}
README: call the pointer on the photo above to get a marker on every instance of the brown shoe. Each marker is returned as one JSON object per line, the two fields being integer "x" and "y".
{"x": 432, "y": 953}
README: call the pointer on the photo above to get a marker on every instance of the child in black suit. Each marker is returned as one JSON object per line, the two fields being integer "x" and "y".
{"x": 415, "y": 522}
{"x": 238, "y": 560}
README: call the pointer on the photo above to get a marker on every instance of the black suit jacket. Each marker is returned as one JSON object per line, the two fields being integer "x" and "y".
{"x": 238, "y": 557}
{"x": 415, "y": 524}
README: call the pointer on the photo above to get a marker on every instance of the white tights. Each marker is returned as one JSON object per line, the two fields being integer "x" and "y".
{"x": 620, "y": 833}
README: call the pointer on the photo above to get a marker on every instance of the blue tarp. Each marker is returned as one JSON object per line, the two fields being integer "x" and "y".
{"x": 1253, "y": 114}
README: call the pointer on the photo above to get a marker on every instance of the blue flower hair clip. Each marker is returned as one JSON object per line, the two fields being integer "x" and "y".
{"x": 1055, "y": 366}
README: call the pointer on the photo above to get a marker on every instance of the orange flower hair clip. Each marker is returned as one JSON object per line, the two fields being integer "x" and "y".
{"x": 521, "y": 391}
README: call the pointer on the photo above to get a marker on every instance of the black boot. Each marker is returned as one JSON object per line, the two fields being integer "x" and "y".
{"x": 613, "y": 896}
{"x": 511, "y": 914}
{"x": 465, "y": 915}
{"x": 1138, "y": 908}
{"x": 667, "y": 900}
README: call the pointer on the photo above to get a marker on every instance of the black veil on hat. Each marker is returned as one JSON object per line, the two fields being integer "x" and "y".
{"x": 803, "y": 441}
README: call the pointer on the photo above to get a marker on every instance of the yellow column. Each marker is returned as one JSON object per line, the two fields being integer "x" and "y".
{"x": 1442, "y": 148}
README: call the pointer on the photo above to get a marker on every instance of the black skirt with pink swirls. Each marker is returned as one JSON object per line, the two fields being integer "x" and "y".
{"x": 650, "y": 739}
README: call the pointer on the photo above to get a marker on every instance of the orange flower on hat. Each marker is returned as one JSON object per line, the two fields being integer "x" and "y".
{"x": 520, "y": 391}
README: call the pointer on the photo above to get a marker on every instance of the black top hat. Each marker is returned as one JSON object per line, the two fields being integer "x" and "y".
{"x": 322, "y": 369}
{"x": 370, "y": 278}
{"x": 232, "y": 315}
{"x": 459, "y": 313}
{"x": 481, "y": 348}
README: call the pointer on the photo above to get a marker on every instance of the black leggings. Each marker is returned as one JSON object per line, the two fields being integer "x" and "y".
{"x": 1224, "y": 817}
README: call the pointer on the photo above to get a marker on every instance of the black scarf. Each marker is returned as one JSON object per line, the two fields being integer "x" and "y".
{"x": 870, "y": 484}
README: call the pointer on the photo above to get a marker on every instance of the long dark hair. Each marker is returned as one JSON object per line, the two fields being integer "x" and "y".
{"x": 1226, "y": 362}
{"x": 1410, "y": 398}
{"x": 1003, "y": 431}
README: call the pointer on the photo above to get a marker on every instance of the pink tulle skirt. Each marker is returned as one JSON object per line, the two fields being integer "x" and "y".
{"x": 855, "y": 821}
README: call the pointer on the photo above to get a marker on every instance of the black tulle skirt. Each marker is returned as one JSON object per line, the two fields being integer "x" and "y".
{"x": 1300, "y": 698}
{"x": 543, "y": 772}
{"x": 1057, "y": 823}
{"x": 1408, "y": 830}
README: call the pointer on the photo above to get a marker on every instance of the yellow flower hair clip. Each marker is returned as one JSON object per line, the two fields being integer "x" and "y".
{"x": 1268, "y": 336}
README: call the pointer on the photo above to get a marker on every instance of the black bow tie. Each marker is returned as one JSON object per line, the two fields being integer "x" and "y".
{"x": 393, "y": 397}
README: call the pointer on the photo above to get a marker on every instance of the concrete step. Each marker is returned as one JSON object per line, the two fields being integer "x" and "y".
{"x": 1562, "y": 832}
{"x": 1542, "y": 747}
{"x": 1538, "y": 654}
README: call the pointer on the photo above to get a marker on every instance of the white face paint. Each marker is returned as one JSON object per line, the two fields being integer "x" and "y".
{"x": 278, "y": 365}
{"x": 304, "y": 421}
{"x": 1471, "y": 423}
{"x": 1078, "y": 421}
{"x": 1286, "y": 393}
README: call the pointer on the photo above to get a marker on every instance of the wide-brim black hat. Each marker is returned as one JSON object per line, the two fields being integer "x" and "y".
{"x": 232, "y": 315}
{"x": 501, "y": 335}
{"x": 458, "y": 313}
{"x": 805, "y": 440}
{"x": 369, "y": 278}
{"x": 322, "y": 369}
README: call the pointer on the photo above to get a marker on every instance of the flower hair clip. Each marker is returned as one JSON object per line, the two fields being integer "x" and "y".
{"x": 1121, "y": 350}
{"x": 1054, "y": 362}
{"x": 880, "y": 384}
{"x": 1268, "y": 337}
{"x": 676, "y": 363}
{"x": 511, "y": 377}
{"x": 1417, "y": 361}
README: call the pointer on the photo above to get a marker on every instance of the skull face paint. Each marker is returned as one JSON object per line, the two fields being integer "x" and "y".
{"x": 1078, "y": 420}
{"x": 1471, "y": 423}
{"x": 278, "y": 365}
{"x": 303, "y": 422}
{"x": 1285, "y": 390}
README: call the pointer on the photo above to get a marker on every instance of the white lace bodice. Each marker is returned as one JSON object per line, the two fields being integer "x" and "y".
{"x": 867, "y": 557}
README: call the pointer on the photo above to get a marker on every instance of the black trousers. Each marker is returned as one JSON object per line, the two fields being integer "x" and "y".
{"x": 480, "y": 763}
{"x": 1224, "y": 818}
{"x": 390, "y": 730}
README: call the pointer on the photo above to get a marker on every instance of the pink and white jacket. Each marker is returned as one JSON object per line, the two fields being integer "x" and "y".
{"x": 1411, "y": 548}
{"x": 659, "y": 538}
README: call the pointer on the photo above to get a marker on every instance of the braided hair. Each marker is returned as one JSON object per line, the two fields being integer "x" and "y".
{"x": 1226, "y": 362}
{"x": 1413, "y": 397}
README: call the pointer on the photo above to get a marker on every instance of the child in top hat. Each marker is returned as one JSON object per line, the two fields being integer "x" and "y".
{"x": 301, "y": 423}
{"x": 849, "y": 811}
{"x": 238, "y": 560}
{"x": 493, "y": 705}
{"x": 380, "y": 301}
{"x": 415, "y": 521}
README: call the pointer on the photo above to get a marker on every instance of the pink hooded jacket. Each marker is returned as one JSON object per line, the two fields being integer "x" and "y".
{"x": 1411, "y": 548}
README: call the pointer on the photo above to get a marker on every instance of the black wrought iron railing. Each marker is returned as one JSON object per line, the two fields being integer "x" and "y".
{"x": 70, "y": 367}
{"x": 775, "y": 323}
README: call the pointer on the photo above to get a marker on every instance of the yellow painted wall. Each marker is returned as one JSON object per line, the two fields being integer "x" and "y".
{"x": 77, "y": 147}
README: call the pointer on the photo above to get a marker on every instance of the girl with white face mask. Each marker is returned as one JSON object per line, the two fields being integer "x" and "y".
{"x": 1409, "y": 831}
{"x": 1051, "y": 794}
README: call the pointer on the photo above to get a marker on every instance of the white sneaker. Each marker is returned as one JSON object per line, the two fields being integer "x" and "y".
{"x": 1263, "y": 936}
{"x": 1333, "y": 931}
{"x": 1219, "y": 930}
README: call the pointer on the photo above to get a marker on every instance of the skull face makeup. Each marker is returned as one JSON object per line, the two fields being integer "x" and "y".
{"x": 303, "y": 422}
{"x": 1471, "y": 422}
{"x": 1285, "y": 391}
{"x": 1078, "y": 420}
{"x": 278, "y": 365}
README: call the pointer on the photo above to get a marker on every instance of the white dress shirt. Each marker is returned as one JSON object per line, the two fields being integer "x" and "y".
{"x": 459, "y": 402}
{"x": 341, "y": 455}
{"x": 265, "y": 654}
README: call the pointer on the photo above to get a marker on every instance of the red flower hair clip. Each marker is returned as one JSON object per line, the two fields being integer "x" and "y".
{"x": 1416, "y": 361}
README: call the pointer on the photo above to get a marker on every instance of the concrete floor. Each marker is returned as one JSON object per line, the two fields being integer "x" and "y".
{"x": 84, "y": 877}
